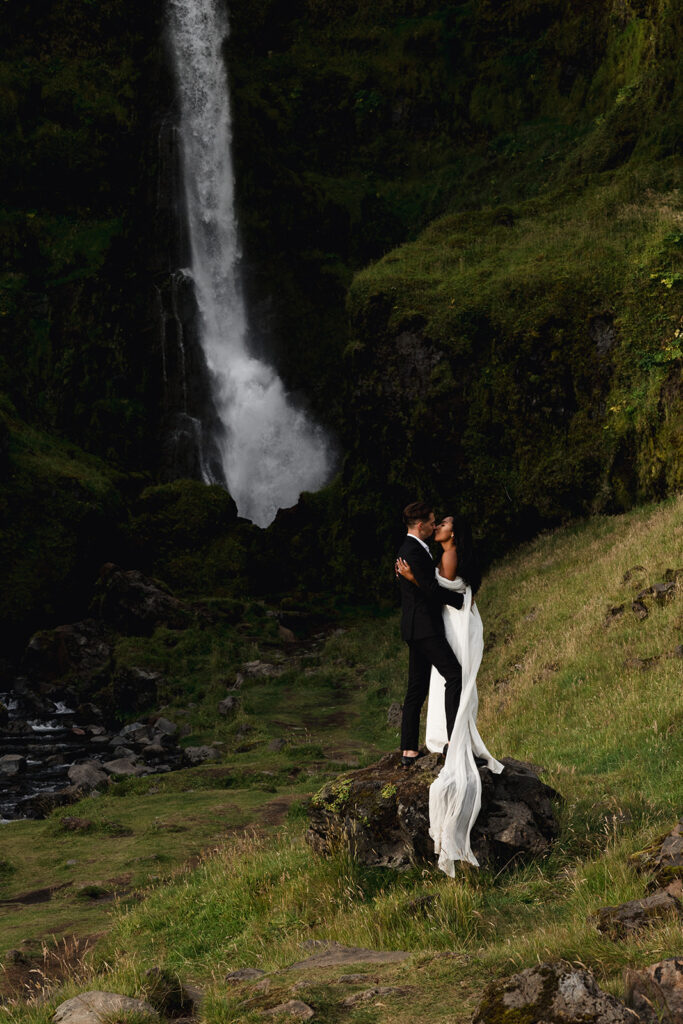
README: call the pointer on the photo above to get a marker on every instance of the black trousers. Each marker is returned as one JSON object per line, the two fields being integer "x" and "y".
{"x": 436, "y": 651}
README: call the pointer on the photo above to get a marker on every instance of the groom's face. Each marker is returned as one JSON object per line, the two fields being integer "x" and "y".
{"x": 427, "y": 527}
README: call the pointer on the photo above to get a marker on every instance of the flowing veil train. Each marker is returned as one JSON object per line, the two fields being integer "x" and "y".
{"x": 455, "y": 795}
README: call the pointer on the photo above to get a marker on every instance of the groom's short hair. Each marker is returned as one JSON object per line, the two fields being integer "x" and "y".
{"x": 417, "y": 512}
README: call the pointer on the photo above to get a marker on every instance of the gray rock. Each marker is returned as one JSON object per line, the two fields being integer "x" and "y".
{"x": 381, "y": 814}
{"x": 81, "y": 649}
{"x": 368, "y": 995}
{"x": 395, "y": 715}
{"x": 622, "y": 921}
{"x": 353, "y": 979}
{"x": 135, "y": 605}
{"x": 293, "y": 1007}
{"x": 656, "y": 993}
{"x": 155, "y": 749}
{"x": 164, "y": 726}
{"x": 277, "y": 744}
{"x": 92, "y": 1007}
{"x": 244, "y": 974}
{"x": 198, "y": 755}
{"x": 12, "y": 764}
{"x": 664, "y": 858}
{"x": 87, "y": 776}
{"x": 229, "y": 706}
{"x": 664, "y": 592}
{"x": 123, "y": 766}
{"x": 552, "y": 993}
{"x": 332, "y": 954}
{"x": 123, "y": 752}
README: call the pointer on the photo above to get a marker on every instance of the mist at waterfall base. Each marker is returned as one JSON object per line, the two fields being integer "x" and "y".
{"x": 271, "y": 452}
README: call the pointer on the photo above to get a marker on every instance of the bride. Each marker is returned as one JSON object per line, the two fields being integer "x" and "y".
{"x": 455, "y": 795}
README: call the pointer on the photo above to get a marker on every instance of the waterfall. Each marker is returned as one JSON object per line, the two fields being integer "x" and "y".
{"x": 270, "y": 450}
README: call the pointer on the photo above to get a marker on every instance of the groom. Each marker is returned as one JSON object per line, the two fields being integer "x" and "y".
{"x": 422, "y": 628}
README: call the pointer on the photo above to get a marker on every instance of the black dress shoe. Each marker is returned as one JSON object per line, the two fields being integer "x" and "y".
{"x": 407, "y": 761}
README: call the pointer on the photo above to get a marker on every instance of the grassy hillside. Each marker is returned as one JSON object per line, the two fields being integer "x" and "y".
{"x": 571, "y": 680}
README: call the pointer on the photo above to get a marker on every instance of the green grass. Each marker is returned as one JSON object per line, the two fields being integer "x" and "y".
{"x": 555, "y": 689}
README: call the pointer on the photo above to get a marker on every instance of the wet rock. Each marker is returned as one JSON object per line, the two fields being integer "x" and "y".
{"x": 87, "y": 776}
{"x": 369, "y": 995}
{"x": 244, "y": 974}
{"x": 551, "y": 993}
{"x": 229, "y": 706}
{"x": 135, "y": 605}
{"x": 656, "y": 993}
{"x": 664, "y": 858}
{"x": 92, "y": 1007}
{"x": 395, "y": 715}
{"x": 381, "y": 813}
{"x": 293, "y": 1007}
{"x": 619, "y": 922}
{"x": 198, "y": 755}
{"x": 12, "y": 764}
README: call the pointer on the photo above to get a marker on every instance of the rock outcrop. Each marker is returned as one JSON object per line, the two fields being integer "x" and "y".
{"x": 93, "y": 1007}
{"x": 664, "y": 858}
{"x": 381, "y": 813}
{"x": 135, "y": 605}
{"x": 551, "y": 993}
{"x": 656, "y": 993}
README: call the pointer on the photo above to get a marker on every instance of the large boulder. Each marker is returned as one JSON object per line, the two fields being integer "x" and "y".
{"x": 381, "y": 813}
{"x": 135, "y": 605}
{"x": 551, "y": 993}
{"x": 93, "y": 1007}
{"x": 80, "y": 649}
{"x": 622, "y": 921}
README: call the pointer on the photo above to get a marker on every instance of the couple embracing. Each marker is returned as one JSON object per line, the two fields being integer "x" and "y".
{"x": 443, "y": 629}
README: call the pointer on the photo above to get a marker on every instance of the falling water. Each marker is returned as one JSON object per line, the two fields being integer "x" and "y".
{"x": 270, "y": 451}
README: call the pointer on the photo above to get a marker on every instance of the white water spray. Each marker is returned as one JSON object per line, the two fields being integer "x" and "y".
{"x": 271, "y": 452}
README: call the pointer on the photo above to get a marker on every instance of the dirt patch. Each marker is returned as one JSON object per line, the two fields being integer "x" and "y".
{"x": 34, "y": 896}
{"x": 33, "y": 975}
{"x": 275, "y": 811}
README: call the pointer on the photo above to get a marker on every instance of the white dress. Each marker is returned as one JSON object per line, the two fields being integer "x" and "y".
{"x": 455, "y": 795}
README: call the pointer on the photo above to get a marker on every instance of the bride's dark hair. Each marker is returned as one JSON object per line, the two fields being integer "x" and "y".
{"x": 468, "y": 563}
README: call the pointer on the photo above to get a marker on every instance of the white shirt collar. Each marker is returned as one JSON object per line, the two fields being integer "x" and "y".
{"x": 419, "y": 541}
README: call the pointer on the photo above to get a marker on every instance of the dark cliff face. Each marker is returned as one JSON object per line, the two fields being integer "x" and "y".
{"x": 518, "y": 358}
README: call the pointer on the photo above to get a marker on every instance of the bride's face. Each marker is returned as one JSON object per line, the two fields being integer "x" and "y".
{"x": 444, "y": 529}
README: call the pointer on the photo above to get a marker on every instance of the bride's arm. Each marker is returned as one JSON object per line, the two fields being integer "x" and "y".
{"x": 428, "y": 584}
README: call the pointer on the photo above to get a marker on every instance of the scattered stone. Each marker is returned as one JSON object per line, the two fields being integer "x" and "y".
{"x": 164, "y": 726}
{"x": 614, "y": 613}
{"x": 353, "y": 979}
{"x": 81, "y": 649}
{"x": 135, "y": 688}
{"x": 642, "y": 663}
{"x": 334, "y": 955}
{"x": 656, "y": 993}
{"x": 293, "y": 1007}
{"x": 15, "y": 956}
{"x": 198, "y": 755}
{"x": 135, "y": 605}
{"x": 229, "y": 706}
{"x": 124, "y": 767}
{"x": 239, "y": 679}
{"x": 124, "y": 752}
{"x": 261, "y": 669}
{"x": 69, "y": 824}
{"x": 368, "y": 995}
{"x": 87, "y": 776}
{"x": 286, "y": 635}
{"x": 381, "y": 813}
{"x": 636, "y": 570}
{"x": 639, "y": 610}
{"x": 552, "y": 993}
{"x": 244, "y": 974}
{"x": 92, "y": 1007}
{"x": 619, "y": 922}
{"x": 277, "y": 744}
{"x": 12, "y": 764}
{"x": 262, "y": 986}
{"x": 664, "y": 592}
{"x": 664, "y": 858}
{"x": 395, "y": 715}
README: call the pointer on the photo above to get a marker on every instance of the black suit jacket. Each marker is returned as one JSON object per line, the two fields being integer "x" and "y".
{"x": 422, "y": 605}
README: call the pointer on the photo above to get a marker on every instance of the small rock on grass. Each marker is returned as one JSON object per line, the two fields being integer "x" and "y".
{"x": 656, "y": 993}
{"x": 619, "y": 922}
{"x": 244, "y": 974}
{"x": 368, "y": 995}
{"x": 92, "y": 1007}
{"x": 353, "y": 979}
{"x": 293, "y": 1007}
